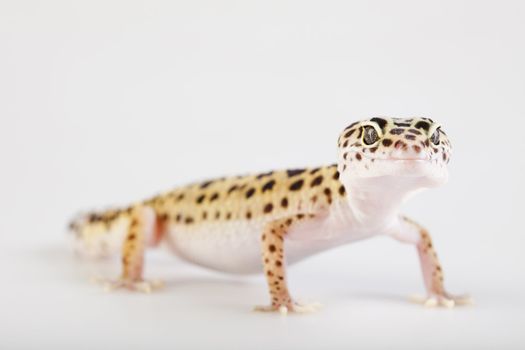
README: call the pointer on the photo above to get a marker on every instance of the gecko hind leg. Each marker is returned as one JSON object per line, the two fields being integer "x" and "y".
{"x": 142, "y": 223}
{"x": 272, "y": 243}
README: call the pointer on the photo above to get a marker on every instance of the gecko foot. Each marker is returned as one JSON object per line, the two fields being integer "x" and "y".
{"x": 446, "y": 300}
{"x": 294, "y": 307}
{"x": 133, "y": 285}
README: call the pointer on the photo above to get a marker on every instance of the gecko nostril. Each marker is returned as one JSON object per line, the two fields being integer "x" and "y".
{"x": 416, "y": 148}
{"x": 399, "y": 144}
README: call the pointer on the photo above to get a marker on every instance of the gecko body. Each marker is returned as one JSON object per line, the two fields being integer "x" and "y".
{"x": 264, "y": 222}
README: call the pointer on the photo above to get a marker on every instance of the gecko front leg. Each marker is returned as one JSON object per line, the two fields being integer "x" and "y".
{"x": 272, "y": 244}
{"x": 142, "y": 221}
{"x": 412, "y": 232}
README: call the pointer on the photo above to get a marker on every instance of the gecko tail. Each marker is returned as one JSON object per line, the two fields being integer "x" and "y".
{"x": 99, "y": 234}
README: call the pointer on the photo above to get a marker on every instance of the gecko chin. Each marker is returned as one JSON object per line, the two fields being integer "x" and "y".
{"x": 428, "y": 173}
{"x": 395, "y": 148}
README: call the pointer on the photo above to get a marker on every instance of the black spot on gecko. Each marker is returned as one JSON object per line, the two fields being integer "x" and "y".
{"x": 414, "y": 131}
{"x": 387, "y": 142}
{"x": 380, "y": 121}
{"x": 233, "y": 188}
{"x": 250, "y": 192}
{"x": 268, "y": 186}
{"x": 295, "y": 172}
{"x": 95, "y": 217}
{"x": 268, "y": 208}
{"x": 422, "y": 125}
{"x": 200, "y": 199}
{"x": 349, "y": 133}
{"x": 317, "y": 181}
{"x": 260, "y": 176}
{"x": 297, "y": 185}
{"x": 328, "y": 194}
{"x": 214, "y": 197}
{"x": 410, "y": 137}
{"x": 397, "y": 131}
{"x": 206, "y": 184}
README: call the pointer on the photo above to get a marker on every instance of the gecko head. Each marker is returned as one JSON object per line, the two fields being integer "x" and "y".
{"x": 395, "y": 147}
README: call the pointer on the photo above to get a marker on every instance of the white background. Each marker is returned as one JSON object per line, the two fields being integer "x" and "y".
{"x": 106, "y": 102}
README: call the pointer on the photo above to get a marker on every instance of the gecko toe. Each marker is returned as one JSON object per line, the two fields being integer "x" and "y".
{"x": 294, "y": 307}
{"x": 446, "y": 300}
{"x": 143, "y": 286}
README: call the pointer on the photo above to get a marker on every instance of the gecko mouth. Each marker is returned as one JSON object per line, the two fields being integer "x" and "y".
{"x": 401, "y": 160}
{"x": 421, "y": 157}
{"x": 408, "y": 167}
{"x": 407, "y": 160}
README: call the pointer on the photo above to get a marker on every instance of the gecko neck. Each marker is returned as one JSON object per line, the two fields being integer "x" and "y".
{"x": 375, "y": 201}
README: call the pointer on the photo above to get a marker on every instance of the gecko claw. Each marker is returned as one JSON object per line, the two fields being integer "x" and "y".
{"x": 296, "y": 307}
{"x": 430, "y": 302}
{"x": 446, "y": 300}
{"x": 283, "y": 310}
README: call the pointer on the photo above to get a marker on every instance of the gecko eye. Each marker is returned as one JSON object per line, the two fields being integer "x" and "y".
{"x": 435, "y": 137}
{"x": 370, "y": 135}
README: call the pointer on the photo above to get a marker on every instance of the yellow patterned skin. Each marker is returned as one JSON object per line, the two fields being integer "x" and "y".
{"x": 262, "y": 222}
{"x": 263, "y": 196}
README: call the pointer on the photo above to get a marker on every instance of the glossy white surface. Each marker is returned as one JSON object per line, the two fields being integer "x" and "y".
{"x": 364, "y": 287}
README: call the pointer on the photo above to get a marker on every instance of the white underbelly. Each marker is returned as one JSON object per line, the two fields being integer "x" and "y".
{"x": 230, "y": 247}
{"x": 235, "y": 246}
